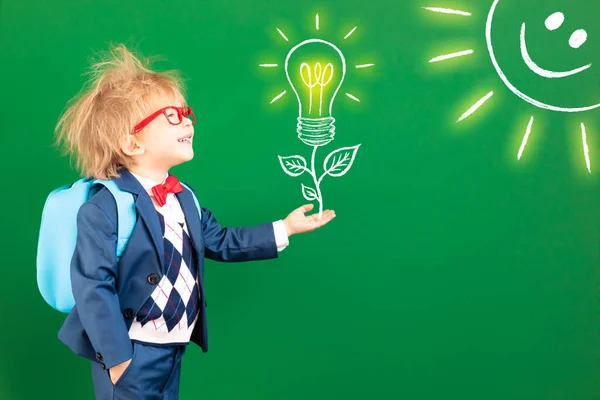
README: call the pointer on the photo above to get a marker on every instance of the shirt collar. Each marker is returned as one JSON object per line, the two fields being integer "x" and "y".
{"x": 148, "y": 184}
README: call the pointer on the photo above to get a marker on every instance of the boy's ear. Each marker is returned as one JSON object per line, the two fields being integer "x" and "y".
{"x": 131, "y": 145}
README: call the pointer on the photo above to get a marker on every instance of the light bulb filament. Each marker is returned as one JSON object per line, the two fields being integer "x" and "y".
{"x": 322, "y": 77}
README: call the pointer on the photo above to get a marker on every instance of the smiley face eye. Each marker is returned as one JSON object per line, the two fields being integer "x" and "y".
{"x": 555, "y": 20}
{"x": 578, "y": 38}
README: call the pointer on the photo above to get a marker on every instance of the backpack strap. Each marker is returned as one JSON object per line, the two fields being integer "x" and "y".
{"x": 125, "y": 212}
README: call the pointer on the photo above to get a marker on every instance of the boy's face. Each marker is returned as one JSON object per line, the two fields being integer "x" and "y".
{"x": 165, "y": 144}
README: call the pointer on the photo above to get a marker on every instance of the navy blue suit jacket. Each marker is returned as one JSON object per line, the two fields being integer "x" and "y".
{"x": 108, "y": 293}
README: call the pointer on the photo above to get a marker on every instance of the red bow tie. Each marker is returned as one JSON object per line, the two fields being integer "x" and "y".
{"x": 171, "y": 185}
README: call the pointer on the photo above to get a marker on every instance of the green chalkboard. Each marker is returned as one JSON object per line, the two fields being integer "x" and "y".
{"x": 463, "y": 262}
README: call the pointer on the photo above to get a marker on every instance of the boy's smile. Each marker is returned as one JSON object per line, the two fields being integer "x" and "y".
{"x": 186, "y": 139}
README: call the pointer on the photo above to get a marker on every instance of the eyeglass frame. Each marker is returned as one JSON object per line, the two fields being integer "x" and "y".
{"x": 182, "y": 112}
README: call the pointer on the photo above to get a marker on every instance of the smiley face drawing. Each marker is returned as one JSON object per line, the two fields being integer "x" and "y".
{"x": 552, "y": 22}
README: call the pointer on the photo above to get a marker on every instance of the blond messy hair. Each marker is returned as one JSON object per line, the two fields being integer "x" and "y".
{"x": 118, "y": 96}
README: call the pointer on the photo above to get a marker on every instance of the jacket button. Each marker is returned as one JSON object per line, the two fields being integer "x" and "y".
{"x": 103, "y": 366}
{"x": 98, "y": 356}
{"x": 153, "y": 279}
{"x": 128, "y": 313}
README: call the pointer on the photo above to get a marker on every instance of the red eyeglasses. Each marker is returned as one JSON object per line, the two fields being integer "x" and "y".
{"x": 173, "y": 114}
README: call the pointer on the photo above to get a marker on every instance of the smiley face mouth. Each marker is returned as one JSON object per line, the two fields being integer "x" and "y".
{"x": 541, "y": 71}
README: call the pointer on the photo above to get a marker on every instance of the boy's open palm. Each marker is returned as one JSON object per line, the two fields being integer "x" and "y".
{"x": 297, "y": 222}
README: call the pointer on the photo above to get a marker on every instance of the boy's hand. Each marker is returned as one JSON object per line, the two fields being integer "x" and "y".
{"x": 116, "y": 371}
{"x": 297, "y": 222}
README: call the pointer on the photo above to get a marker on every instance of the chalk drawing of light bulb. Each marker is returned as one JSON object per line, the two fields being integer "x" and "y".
{"x": 316, "y": 86}
{"x": 315, "y": 71}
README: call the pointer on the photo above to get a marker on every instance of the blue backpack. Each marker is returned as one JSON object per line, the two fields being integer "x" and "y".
{"x": 58, "y": 235}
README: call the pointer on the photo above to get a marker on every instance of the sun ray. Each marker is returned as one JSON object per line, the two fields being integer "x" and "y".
{"x": 268, "y": 65}
{"x": 364, "y": 65}
{"x": 317, "y": 21}
{"x": 525, "y": 138}
{"x": 586, "y": 150}
{"x": 475, "y": 106}
{"x": 278, "y": 97}
{"x": 353, "y": 97}
{"x": 350, "y": 33}
{"x": 448, "y": 11}
{"x": 451, "y": 55}
{"x": 281, "y": 33}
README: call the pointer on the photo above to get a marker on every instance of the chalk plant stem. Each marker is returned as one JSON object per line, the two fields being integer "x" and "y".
{"x": 313, "y": 172}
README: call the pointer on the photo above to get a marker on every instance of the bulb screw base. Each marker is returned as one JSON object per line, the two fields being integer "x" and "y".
{"x": 316, "y": 131}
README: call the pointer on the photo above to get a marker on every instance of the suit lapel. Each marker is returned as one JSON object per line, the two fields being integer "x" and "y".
{"x": 148, "y": 214}
{"x": 192, "y": 217}
{"x": 146, "y": 211}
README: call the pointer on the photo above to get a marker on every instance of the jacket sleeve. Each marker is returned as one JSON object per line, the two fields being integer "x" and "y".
{"x": 237, "y": 244}
{"x": 93, "y": 274}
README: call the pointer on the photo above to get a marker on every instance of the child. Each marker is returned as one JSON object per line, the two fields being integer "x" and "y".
{"x": 134, "y": 318}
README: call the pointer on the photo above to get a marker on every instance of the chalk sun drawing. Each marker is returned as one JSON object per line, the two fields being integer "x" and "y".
{"x": 552, "y": 22}
{"x": 315, "y": 70}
